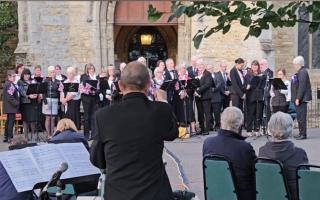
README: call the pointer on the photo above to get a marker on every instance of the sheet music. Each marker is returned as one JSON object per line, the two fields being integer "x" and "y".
{"x": 29, "y": 166}
{"x": 22, "y": 170}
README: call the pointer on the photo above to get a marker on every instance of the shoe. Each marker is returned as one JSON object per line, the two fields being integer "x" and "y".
{"x": 297, "y": 136}
{"x": 5, "y": 140}
{"x": 205, "y": 133}
{"x": 250, "y": 134}
{"x": 302, "y": 137}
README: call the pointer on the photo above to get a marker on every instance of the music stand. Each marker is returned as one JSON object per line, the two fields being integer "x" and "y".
{"x": 37, "y": 88}
{"x": 70, "y": 87}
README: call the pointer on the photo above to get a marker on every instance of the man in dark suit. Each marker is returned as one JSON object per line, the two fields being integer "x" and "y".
{"x": 237, "y": 89}
{"x": 129, "y": 141}
{"x": 268, "y": 73}
{"x": 203, "y": 96}
{"x": 10, "y": 104}
{"x": 230, "y": 144}
{"x": 220, "y": 94}
{"x": 192, "y": 70}
{"x": 170, "y": 74}
{"x": 300, "y": 95}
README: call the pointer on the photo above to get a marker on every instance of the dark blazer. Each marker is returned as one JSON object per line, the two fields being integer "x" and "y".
{"x": 290, "y": 156}
{"x": 69, "y": 136}
{"x": 237, "y": 87}
{"x": 129, "y": 146}
{"x": 242, "y": 156}
{"x": 167, "y": 75}
{"x": 301, "y": 86}
{"x": 221, "y": 86}
{"x": 206, "y": 83}
{"x": 192, "y": 74}
{"x": 10, "y": 98}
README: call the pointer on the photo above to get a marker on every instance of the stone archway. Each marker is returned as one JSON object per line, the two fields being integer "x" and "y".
{"x": 110, "y": 32}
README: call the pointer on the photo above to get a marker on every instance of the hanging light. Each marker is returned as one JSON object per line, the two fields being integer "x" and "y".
{"x": 146, "y": 39}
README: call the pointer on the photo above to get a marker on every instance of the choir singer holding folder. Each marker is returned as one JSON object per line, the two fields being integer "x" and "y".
{"x": 129, "y": 141}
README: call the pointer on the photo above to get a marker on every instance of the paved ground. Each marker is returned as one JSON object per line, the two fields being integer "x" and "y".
{"x": 188, "y": 153}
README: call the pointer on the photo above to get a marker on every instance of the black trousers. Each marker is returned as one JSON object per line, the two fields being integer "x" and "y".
{"x": 302, "y": 118}
{"x": 8, "y": 129}
{"x": 225, "y": 102}
{"x": 204, "y": 114}
{"x": 268, "y": 108}
{"x": 237, "y": 101}
{"x": 254, "y": 115}
{"x": 89, "y": 108}
{"x": 73, "y": 112}
{"x": 217, "y": 107}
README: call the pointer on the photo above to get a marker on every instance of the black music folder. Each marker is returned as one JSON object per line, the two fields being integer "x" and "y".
{"x": 37, "y": 88}
{"x": 104, "y": 85}
{"x": 92, "y": 83}
{"x": 38, "y": 79}
{"x": 193, "y": 84}
{"x": 168, "y": 85}
{"x": 70, "y": 87}
{"x": 278, "y": 84}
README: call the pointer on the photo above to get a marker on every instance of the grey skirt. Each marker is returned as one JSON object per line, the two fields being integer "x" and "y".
{"x": 51, "y": 108}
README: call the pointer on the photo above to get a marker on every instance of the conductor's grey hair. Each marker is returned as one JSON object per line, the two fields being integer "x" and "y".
{"x": 232, "y": 119}
{"x": 135, "y": 76}
{"x": 299, "y": 60}
{"x": 280, "y": 125}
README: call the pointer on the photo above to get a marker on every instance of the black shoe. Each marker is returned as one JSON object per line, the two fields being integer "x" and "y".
{"x": 205, "y": 133}
{"x": 302, "y": 137}
{"x": 5, "y": 140}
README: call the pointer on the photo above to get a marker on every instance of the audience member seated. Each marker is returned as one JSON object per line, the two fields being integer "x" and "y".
{"x": 280, "y": 148}
{"x": 67, "y": 133}
{"x": 230, "y": 144}
{"x": 8, "y": 191}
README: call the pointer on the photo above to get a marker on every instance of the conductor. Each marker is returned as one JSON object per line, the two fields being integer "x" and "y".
{"x": 129, "y": 141}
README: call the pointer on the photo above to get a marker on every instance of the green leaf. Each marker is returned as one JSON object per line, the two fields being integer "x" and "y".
{"x": 178, "y": 12}
{"x": 313, "y": 27}
{"x": 262, "y": 4}
{"x": 197, "y": 39}
{"x": 153, "y": 14}
{"x": 222, "y": 19}
{"x": 226, "y": 29}
{"x": 245, "y": 21}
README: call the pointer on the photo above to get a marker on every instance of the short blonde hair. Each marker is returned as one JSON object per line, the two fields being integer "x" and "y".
{"x": 51, "y": 68}
{"x": 65, "y": 124}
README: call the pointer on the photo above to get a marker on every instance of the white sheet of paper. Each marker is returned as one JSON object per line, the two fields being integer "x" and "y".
{"x": 22, "y": 170}
{"x": 32, "y": 165}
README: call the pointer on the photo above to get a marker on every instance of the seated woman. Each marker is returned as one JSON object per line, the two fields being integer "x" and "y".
{"x": 67, "y": 133}
{"x": 280, "y": 148}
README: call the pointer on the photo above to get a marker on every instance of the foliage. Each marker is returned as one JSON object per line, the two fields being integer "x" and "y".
{"x": 8, "y": 31}
{"x": 256, "y": 16}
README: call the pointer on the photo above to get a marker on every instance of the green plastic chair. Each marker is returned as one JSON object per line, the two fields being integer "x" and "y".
{"x": 308, "y": 182}
{"x": 270, "y": 180}
{"x": 218, "y": 179}
{"x": 68, "y": 190}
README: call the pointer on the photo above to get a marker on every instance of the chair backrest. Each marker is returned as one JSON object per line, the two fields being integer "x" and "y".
{"x": 219, "y": 181}
{"x": 270, "y": 180}
{"x": 308, "y": 182}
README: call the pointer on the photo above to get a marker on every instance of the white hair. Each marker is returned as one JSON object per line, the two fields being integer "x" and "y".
{"x": 280, "y": 125}
{"x": 299, "y": 60}
{"x": 231, "y": 119}
{"x": 156, "y": 70}
{"x": 71, "y": 69}
{"x": 142, "y": 60}
{"x": 51, "y": 68}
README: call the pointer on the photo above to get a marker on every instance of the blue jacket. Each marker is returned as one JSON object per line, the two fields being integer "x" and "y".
{"x": 69, "y": 136}
{"x": 242, "y": 156}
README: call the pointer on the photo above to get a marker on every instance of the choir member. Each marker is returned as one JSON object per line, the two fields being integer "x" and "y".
{"x": 237, "y": 89}
{"x": 185, "y": 113}
{"x": 280, "y": 99}
{"x": 220, "y": 94}
{"x": 18, "y": 71}
{"x": 203, "y": 95}
{"x": 59, "y": 75}
{"x": 10, "y": 104}
{"x": 89, "y": 97}
{"x": 192, "y": 70}
{"x": 38, "y": 78}
{"x": 28, "y": 104}
{"x": 122, "y": 66}
{"x": 158, "y": 77}
{"x": 71, "y": 99}
{"x": 161, "y": 65}
{"x": 254, "y": 98}
{"x": 170, "y": 74}
{"x": 50, "y": 101}
{"x": 102, "y": 77}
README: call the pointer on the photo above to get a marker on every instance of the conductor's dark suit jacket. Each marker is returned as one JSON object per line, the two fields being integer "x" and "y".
{"x": 301, "y": 86}
{"x": 129, "y": 145}
{"x": 241, "y": 154}
{"x": 237, "y": 87}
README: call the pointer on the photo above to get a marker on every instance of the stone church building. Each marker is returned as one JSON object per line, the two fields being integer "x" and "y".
{"x": 102, "y": 33}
